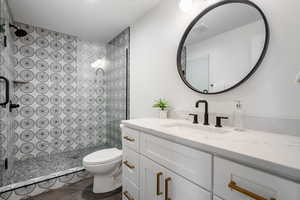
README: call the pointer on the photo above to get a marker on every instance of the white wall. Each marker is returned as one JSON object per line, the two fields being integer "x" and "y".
{"x": 271, "y": 92}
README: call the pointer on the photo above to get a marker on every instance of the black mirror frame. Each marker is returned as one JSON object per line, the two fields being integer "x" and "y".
{"x": 191, "y": 25}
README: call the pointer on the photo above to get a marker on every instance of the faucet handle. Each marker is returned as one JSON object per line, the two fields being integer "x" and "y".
{"x": 195, "y": 120}
{"x": 219, "y": 121}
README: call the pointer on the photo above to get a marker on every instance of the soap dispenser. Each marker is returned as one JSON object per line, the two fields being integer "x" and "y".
{"x": 238, "y": 116}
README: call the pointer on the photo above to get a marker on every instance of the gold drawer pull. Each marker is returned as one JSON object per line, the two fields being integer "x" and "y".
{"x": 232, "y": 185}
{"x": 129, "y": 139}
{"x": 158, "y": 175}
{"x": 128, "y": 165}
{"x": 126, "y": 194}
{"x": 167, "y": 180}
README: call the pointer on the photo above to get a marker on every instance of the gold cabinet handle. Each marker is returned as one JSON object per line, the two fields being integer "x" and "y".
{"x": 232, "y": 185}
{"x": 129, "y": 139}
{"x": 128, "y": 165}
{"x": 126, "y": 194}
{"x": 158, "y": 175}
{"x": 167, "y": 180}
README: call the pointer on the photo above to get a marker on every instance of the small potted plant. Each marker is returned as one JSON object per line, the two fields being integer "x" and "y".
{"x": 163, "y": 105}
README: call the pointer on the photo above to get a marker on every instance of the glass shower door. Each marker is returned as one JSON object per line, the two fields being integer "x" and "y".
{"x": 117, "y": 86}
{"x": 6, "y": 90}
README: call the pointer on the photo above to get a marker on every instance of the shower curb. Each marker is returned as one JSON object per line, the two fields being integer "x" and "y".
{"x": 41, "y": 179}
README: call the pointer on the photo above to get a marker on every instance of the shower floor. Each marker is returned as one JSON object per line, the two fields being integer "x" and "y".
{"x": 42, "y": 168}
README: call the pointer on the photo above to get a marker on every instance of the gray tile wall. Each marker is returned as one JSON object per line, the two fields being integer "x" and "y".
{"x": 62, "y": 105}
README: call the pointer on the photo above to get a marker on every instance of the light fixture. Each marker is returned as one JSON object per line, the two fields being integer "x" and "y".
{"x": 100, "y": 63}
{"x": 186, "y": 5}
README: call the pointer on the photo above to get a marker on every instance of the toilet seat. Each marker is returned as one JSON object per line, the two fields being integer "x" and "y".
{"x": 103, "y": 157}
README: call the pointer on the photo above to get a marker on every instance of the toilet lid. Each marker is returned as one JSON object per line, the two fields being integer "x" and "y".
{"x": 103, "y": 156}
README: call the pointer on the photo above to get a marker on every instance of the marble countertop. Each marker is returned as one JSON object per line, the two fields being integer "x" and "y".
{"x": 273, "y": 153}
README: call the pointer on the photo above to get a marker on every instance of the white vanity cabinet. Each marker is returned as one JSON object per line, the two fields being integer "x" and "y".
{"x": 131, "y": 164}
{"x": 157, "y": 169}
{"x": 166, "y": 170}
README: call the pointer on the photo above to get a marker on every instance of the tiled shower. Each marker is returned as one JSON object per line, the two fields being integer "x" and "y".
{"x": 67, "y": 108}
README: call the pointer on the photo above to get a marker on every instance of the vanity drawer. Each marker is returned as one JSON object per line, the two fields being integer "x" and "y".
{"x": 232, "y": 179}
{"x": 131, "y": 165}
{"x": 130, "y": 191}
{"x": 192, "y": 164}
{"x": 131, "y": 138}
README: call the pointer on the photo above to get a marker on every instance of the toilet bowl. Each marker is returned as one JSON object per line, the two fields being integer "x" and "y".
{"x": 105, "y": 165}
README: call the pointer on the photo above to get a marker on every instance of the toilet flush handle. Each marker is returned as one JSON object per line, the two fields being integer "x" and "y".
{"x": 129, "y": 139}
{"x": 126, "y": 194}
{"x": 128, "y": 165}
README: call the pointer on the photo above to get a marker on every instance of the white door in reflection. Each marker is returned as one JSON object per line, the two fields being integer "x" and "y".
{"x": 197, "y": 72}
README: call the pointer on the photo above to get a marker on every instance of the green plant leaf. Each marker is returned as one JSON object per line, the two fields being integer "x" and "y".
{"x": 162, "y": 104}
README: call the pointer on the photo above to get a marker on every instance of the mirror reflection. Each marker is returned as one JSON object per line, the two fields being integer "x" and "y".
{"x": 223, "y": 47}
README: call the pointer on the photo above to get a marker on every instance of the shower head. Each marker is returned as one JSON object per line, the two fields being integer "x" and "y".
{"x": 19, "y": 32}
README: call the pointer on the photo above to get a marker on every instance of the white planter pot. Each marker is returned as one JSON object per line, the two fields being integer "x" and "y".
{"x": 163, "y": 114}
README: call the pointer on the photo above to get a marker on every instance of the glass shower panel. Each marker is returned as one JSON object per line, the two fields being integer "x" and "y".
{"x": 117, "y": 82}
{"x": 6, "y": 92}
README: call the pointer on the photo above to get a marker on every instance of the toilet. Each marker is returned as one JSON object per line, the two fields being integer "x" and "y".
{"x": 106, "y": 166}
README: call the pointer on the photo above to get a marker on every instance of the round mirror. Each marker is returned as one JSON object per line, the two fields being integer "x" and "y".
{"x": 223, "y": 46}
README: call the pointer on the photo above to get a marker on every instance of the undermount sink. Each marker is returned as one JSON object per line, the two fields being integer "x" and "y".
{"x": 195, "y": 128}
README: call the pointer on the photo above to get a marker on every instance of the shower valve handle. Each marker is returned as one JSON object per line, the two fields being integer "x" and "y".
{"x": 13, "y": 106}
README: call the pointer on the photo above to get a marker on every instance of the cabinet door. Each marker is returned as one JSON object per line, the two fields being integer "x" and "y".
{"x": 151, "y": 180}
{"x": 167, "y": 185}
{"x": 179, "y": 188}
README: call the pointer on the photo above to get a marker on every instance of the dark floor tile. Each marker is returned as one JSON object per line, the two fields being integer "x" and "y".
{"x": 87, "y": 194}
{"x": 81, "y": 190}
{"x": 90, "y": 196}
{"x": 81, "y": 184}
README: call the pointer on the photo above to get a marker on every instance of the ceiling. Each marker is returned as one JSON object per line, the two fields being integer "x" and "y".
{"x": 93, "y": 20}
{"x": 222, "y": 19}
